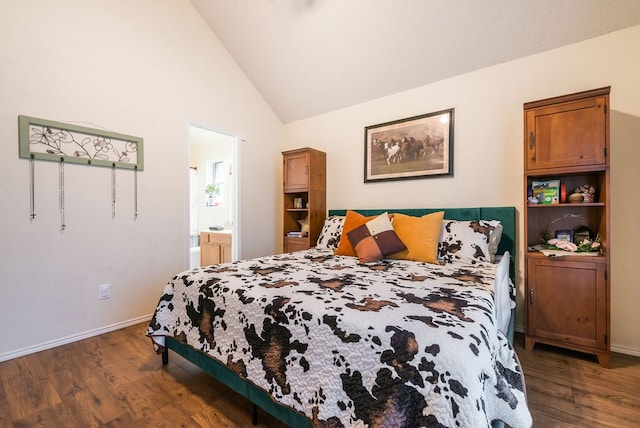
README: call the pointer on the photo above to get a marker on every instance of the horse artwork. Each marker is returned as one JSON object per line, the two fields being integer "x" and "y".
{"x": 416, "y": 147}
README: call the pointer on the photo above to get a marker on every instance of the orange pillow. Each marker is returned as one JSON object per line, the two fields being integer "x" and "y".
{"x": 351, "y": 221}
{"x": 420, "y": 235}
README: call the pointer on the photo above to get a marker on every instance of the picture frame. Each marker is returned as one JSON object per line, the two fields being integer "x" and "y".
{"x": 411, "y": 148}
{"x": 564, "y": 234}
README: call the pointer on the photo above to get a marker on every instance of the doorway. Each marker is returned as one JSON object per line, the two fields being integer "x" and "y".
{"x": 213, "y": 189}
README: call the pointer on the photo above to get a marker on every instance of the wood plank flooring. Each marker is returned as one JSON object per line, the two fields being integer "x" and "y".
{"x": 570, "y": 389}
{"x": 115, "y": 380}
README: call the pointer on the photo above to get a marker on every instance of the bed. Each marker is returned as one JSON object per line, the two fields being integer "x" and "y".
{"x": 324, "y": 340}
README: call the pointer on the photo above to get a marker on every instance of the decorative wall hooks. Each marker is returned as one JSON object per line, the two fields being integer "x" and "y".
{"x": 42, "y": 139}
{"x": 49, "y": 140}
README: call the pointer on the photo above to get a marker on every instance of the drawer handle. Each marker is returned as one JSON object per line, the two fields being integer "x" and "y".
{"x": 532, "y": 141}
{"x": 531, "y": 296}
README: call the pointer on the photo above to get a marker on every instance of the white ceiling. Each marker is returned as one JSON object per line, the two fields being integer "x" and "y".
{"x": 308, "y": 57}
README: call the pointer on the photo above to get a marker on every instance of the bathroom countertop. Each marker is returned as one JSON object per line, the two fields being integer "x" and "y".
{"x": 227, "y": 231}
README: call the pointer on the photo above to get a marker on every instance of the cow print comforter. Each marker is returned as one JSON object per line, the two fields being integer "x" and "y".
{"x": 386, "y": 344}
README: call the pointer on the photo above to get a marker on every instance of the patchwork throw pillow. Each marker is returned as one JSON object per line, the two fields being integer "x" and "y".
{"x": 351, "y": 221}
{"x": 467, "y": 241}
{"x": 421, "y": 236}
{"x": 329, "y": 237}
{"x": 375, "y": 239}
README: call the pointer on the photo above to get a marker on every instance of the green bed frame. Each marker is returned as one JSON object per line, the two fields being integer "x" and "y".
{"x": 262, "y": 399}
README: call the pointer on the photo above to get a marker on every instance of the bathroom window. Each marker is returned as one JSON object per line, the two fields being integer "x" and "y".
{"x": 215, "y": 184}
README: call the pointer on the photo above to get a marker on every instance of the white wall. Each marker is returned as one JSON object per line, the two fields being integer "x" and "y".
{"x": 488, "y": 148}
{"x": 146, "y": 68}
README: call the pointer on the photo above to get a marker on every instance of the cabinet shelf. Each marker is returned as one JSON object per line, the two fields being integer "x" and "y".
{"x": 600, "y": 258}
{"x": 565, "y": 205}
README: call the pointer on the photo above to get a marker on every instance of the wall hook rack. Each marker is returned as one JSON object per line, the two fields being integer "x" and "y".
{"x": 48, "y": 140}
{"x": 41, "y": 139}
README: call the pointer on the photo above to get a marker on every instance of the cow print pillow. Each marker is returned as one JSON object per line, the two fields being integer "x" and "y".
{"x": 331, "y": 231}
{"x": 468, "y": 241}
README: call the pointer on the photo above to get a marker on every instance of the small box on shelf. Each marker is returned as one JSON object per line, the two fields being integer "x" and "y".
{"x": 545, "y": 192}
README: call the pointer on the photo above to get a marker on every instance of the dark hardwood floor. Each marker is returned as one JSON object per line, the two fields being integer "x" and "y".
{"x": 115, "y": 380}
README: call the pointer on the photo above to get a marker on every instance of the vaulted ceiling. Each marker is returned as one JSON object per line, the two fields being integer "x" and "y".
{"x": 308, "y": 57}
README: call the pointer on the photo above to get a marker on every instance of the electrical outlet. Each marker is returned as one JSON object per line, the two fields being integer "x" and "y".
{"x": 104, "y": 291}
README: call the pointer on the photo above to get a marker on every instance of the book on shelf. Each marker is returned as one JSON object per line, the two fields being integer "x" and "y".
{"x": 296, "y": 234}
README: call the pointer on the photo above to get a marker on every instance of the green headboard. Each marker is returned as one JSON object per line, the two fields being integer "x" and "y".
{"x": 506, "y": 215}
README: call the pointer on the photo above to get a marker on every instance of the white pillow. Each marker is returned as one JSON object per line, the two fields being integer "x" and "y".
{"x": 494, "y": 241}
{"x": 331, "y": 232}
{"x": 469, "y": 241}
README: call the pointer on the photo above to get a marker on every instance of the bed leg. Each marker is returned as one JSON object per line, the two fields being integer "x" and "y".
{"x": 165, "y": 356}
{"x": 254, "y": 415}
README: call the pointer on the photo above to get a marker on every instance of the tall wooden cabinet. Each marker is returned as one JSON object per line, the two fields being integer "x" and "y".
{"x": 567, "y": 298}
{"x": 304, "y": 187}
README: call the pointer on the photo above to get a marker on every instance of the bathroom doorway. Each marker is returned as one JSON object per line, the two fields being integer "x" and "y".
{"x": 213, "y": 189}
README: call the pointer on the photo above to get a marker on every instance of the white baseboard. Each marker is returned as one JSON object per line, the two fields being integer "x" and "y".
{"x": 627, "y": 351}
{"x": 614, "y": 348}
{"x": 73, "y": 338}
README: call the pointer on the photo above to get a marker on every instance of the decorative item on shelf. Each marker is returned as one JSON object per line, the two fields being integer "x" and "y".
{"x": 588, "y": 193}
{"x": 546, "y": 192}
{"x": 297, "y": 203}
{"x": 563, "y": 238}
{"x": 565, "y": 234}
{"x": 565, "y": 217}
{"x": 582, "y": 233}
{"x": 304, "y": 225}
{"x": 576, "y": 198}
{"x": 586, "y": 246}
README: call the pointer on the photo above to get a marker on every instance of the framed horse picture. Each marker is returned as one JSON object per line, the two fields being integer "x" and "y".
{"x": 406, "y": 149}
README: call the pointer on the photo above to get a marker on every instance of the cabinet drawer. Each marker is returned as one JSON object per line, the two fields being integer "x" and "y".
{"x": 215, "y": 238}
{"x": 295, "y": 244}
